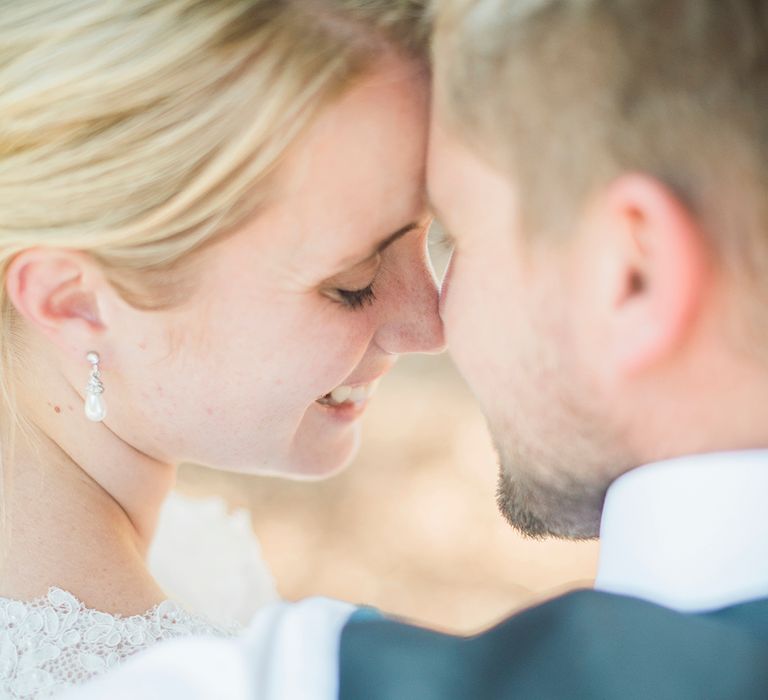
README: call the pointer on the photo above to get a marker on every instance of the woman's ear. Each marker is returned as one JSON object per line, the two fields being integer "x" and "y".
{"x": 656, "y": 274}
{"x": 57, "y": 292}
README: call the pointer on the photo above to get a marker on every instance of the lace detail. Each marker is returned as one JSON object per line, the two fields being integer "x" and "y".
{"x": 55, "y": 642}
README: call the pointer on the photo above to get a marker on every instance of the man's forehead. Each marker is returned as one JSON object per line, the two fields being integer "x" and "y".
{"x": 450, "y": 160}
{"x": 463, "y": 187}
{"x": 439, "y": 171}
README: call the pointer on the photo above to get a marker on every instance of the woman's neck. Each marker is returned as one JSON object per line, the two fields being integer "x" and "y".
{"x": 81, "y": 516}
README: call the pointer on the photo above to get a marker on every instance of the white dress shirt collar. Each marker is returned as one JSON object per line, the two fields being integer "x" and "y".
{"x": 688, "y": 533}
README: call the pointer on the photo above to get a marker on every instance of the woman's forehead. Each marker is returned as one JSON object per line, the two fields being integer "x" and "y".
{"x": 358, "y": 175}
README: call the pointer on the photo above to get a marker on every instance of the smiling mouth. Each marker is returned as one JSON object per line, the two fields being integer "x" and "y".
{"x": 349, "y": 394}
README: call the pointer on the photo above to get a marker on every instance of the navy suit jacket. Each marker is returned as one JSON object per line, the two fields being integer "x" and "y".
{"x": 585, "y": 644}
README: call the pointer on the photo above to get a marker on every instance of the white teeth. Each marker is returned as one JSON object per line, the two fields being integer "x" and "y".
{"x": 357, "y": 394}
{"x": 341, "y": 394}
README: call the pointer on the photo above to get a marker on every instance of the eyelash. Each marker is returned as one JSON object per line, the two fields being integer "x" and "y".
{"x": 357, "y": 298}
{"x": 443, "y": 240}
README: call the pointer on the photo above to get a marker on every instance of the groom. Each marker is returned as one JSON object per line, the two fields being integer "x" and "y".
{"x": 603, "y": 168}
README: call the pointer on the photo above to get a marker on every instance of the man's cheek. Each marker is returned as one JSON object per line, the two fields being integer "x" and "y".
{"x": 464, "y": 316}
{"x": 445, "y": 286}
{"x": 454, "y": 299}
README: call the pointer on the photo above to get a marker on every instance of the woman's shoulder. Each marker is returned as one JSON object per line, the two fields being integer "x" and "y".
{"x": 55, "y": 641}
{"x": 206, "y": 559}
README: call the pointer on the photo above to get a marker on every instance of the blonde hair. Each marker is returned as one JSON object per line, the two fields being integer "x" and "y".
{"x": 567, "y": 94}
{"x": 138, "y": 131}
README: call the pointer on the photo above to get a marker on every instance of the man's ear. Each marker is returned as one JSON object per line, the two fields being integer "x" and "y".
{"x": 57, "y": 292}
{"x": 657, "y": 272}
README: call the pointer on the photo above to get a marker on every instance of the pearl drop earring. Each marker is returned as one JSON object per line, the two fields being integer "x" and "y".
{"x": 95, "y": 408}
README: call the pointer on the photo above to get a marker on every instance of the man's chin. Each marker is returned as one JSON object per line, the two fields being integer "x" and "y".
{"x": 563, "y": 507}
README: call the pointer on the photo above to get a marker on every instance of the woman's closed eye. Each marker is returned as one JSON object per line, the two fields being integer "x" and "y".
{"x": 357, "y": 298}
{"x": 354, "y": 289}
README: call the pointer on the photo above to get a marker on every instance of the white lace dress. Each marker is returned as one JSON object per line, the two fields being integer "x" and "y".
{"x": 55, "y": 642}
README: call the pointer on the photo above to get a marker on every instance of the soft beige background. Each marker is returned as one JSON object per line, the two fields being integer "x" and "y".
{"x": 412, "y": 527}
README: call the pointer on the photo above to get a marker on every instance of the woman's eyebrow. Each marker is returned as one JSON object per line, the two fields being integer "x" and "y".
{"x": 354, "y": 261}
{"x": 382, "y": 246}
{"x": 389, "y": 240}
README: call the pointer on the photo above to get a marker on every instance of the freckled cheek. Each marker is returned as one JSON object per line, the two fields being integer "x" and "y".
{"x": 292, "y": 358}
{"x": 339, "y": 348}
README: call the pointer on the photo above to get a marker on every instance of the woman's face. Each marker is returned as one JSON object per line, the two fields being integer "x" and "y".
{"x": 269, "y": 366}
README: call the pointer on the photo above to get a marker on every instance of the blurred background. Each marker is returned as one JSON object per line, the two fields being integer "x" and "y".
{"x": 412, "y": 526}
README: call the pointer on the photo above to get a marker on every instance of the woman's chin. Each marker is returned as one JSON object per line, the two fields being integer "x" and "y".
{"x": 318, "y": 451}
{"x": 323, "y": 457}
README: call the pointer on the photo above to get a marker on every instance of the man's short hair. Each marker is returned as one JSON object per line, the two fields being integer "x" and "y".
{"x": 566, "y": 95}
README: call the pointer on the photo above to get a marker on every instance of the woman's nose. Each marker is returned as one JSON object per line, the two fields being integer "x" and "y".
{"x": 410, "y": 321}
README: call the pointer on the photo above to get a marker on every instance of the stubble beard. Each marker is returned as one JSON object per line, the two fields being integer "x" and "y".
{"x": 559, "y": 452}
{"x": 563, "y": 508}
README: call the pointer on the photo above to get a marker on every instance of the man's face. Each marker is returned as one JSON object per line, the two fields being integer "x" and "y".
{"x": 515, "y": 327}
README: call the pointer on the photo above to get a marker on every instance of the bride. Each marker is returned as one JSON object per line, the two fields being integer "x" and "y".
{"x": 213, "y": 247}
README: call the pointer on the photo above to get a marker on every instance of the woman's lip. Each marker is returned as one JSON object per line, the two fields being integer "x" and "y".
{"x": 349, "y": 401}
{"x": 349, "y": 393}
{"x": 346, "y": 412}
{"x": 358, "y": 383}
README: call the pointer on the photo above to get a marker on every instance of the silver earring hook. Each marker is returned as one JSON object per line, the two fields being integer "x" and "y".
{"x": 95, "y": 407}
